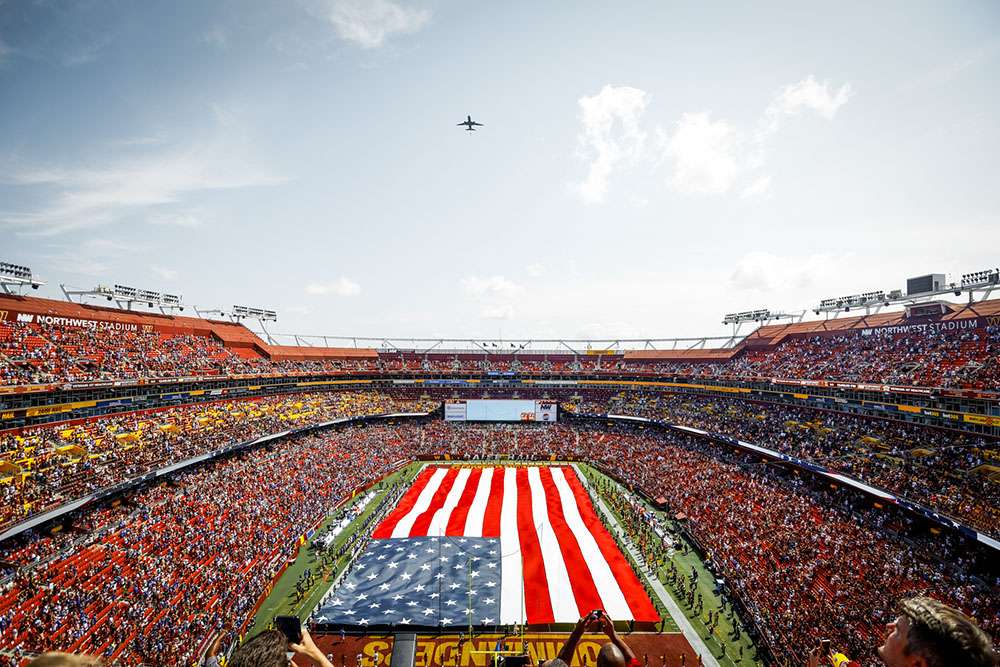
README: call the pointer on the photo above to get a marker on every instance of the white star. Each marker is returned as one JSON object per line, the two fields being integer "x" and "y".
{"x": 439, "y": 576}
{"x": 400, "y": 549}
{"x": 362, "y": 621}
{"x": 433, "y": 595}
{"x": 416, "y": 544}
{"x": 404, "y": 621}
{"x": 462, "y": 540}
{"x": 381, "y": 557}
{"x": 451, "y": 603}
{"x": 362, "y": 566}
{"x": 411, "y": 556}
{"x": 383, "y": 587}
{"x": 461, "y": 553}
{"x": 489, "y": 600}
{"x": 406, "y": 576}
{"x": 429, "y": 550}
{"x": 444, "y": 559}
{"x": 362, "y": 596}
{"x": 475, "y": 558}
{"x": 372, "y": 577}
{"x": 419, "y": 587}
{"x": 336, "y": 602}
{"x": 468, "y": 610}
{"x": 349, "y": 612}
{"x": 351, "y": 586}
{"x": 449, "y": 545}
{"x": 491, "y": 565}
{"x": 453, "y": 585}
{"x": 411, "y": 603}
{"x": 393, "y": 566}
{"x": 374, "y": 605}
{"x": 473, "y": 574}
{"x": 425, "y": 567}
{"x": 477, "y": 545}
{"x": 458, "y": 566}
{"x": 491, "y": 584}
{"x": 484, "y": 621}
{"x": 397, "y": 597}
{"x": 493, "y": 552}
{"x": 428, "y": 611}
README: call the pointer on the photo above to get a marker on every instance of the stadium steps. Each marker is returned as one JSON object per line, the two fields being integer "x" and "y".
{"x": 404, "y": 650}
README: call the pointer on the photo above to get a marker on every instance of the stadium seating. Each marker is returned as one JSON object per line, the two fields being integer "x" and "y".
{"x": 175, "y": 561}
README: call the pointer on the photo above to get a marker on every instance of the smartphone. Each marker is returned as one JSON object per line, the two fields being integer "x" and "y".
{"x": 597, "y": 613}
{"x": 291, "y": 627}
{"x": 824, "y": 647}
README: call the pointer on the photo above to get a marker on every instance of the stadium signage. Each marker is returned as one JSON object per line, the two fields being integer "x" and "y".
{"x": 76, "y": 322}
{"x": 926, "y": 328}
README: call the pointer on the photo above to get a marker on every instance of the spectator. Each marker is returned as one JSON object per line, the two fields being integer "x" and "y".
{"x": 271, "y": 649}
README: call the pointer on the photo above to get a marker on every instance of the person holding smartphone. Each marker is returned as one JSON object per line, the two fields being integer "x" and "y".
{"x": 615, "y": 653}
{"x": 272, "y": 648}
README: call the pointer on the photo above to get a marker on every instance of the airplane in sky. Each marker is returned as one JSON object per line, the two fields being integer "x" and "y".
{"x": 468, "y": 123}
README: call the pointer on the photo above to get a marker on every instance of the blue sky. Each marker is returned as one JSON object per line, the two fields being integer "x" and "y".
{"x": 643, "y": 169}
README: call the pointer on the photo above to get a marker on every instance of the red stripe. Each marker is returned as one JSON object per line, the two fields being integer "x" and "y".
{"x": 406, "y": 504}
{"x": 537, "y": 603}
{"x": 419, "y": 528}
{"x": 491, "y": 518}
{"x": 456, "y": 522}
{"x": 640, "y": 604}
{"x": 581, "y": 580}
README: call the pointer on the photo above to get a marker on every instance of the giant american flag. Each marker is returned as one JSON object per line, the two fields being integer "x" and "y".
{"x": 462, "y": 541}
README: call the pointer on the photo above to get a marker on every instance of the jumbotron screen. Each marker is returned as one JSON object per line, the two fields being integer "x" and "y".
{"x": 500, "y": 411}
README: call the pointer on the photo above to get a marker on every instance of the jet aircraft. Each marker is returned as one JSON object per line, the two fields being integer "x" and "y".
{"x": 468, "y": 123}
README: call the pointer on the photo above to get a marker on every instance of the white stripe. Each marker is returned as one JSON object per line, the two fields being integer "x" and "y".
{"x": 564, "y": 607}
{"x": 612, "y": 598}
{"x": 440, "y": 520}
{"x": 402, "y": 528}
{"x": 511, "y": 609}
{"x": 474, "y": 520}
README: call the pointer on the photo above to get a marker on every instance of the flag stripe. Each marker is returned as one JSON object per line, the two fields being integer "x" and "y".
{"x": 402, "y": 528}
{"x": 474, "y": 522}
{"x": 406, "y": 504}
{"x": 640, "y": 604}
{"x": 561, "y": 592}
{"x": 611, "y": 596}
{"x": 585, "y": 594}
{"x": 443, "y": 515}
{"x": 422, "y": 522}
{"x": 538, "y": 607}
{"x": 491, "y": 520}
{"x": 511, "y": 599}
{"x": 456, "y": 522}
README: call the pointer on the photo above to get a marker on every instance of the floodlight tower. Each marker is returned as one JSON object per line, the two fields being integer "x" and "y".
{"x": 14, "y": 278}
{"x": 125, "y": 296}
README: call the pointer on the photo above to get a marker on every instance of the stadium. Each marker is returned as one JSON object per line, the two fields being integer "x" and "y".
{"x": 408, "y": 333}
{"x": 184, "y": 477}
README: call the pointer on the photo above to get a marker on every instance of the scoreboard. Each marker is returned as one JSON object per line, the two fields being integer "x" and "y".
{"x": 486, "y": 410}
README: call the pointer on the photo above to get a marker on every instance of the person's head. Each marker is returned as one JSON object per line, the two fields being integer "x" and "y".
{"x": 928, "y": 633}
{"x": 55, "y": 659}
{"x": 610, "y": 656}
{"x": 268, "y": 649}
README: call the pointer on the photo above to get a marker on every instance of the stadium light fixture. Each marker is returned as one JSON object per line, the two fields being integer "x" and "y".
{"x": 15, "y": 277}
{"x": 126, "y": 295}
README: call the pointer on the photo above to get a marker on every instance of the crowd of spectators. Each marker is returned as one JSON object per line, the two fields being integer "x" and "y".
{"x": 180, "y": 561}
{"x": 138, "y": 580}
{"x": 947, "y": 470}
{"x": 36, "y": 353}
{"x": 44, "y": 467}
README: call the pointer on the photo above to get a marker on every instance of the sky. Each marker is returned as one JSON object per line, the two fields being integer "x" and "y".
{"x": 643, "y": 168}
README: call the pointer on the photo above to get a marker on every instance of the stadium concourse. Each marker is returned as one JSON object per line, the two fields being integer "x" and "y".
{"x": 160, "y": 473}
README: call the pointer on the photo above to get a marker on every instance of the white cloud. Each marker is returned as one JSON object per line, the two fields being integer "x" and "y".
{"x": 187, "y": 220}
{"x": 609, "y": 136}
{"x": 806, "y": 95}
{"x": 491, "y": 286}
{"x": 498, "y": 312}
{"x": 85, "y": 197}
{"x": 759, "y": 189}
{"x": 217, "y": 37}
{"x": 535, "y": 270}
{"x": 369, "y": 22}
{"x": 164, "y": 273}
{"x": 766, "y": 272}
{"x": 5, "y": 51}
{"x": 703, "y": 153}
{"x": 340, "y": 287}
